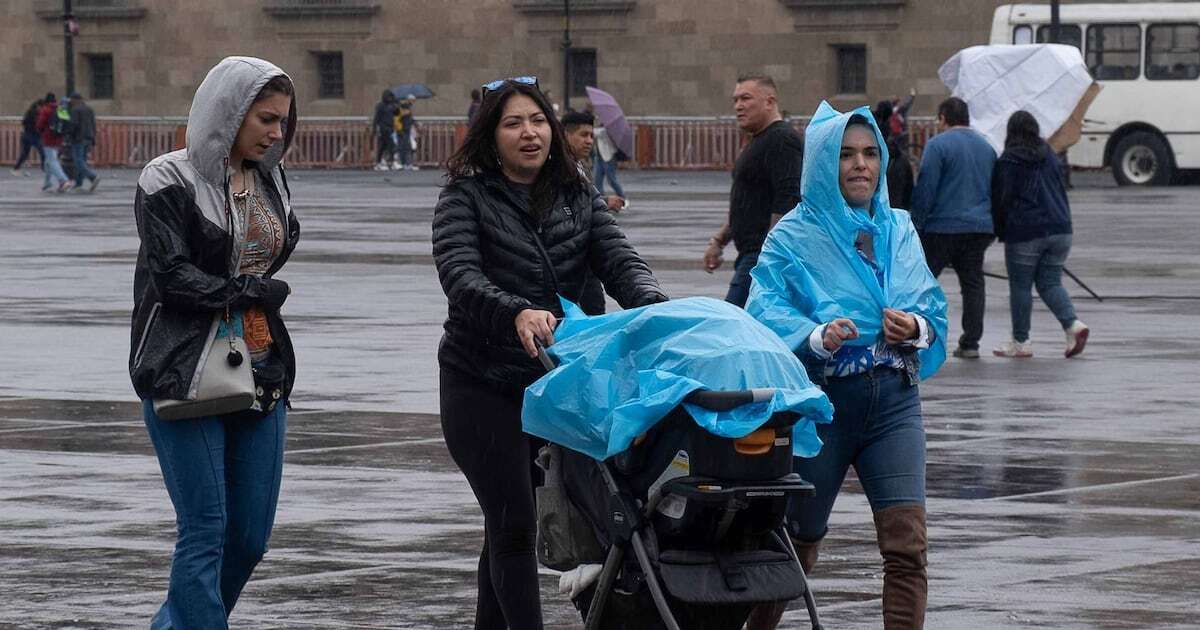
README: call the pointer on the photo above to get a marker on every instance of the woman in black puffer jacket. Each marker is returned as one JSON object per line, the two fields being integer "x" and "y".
{"x": 516, "y": 227}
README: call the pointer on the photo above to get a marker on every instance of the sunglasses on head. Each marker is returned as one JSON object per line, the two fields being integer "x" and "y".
{"x": 498, "y": 83}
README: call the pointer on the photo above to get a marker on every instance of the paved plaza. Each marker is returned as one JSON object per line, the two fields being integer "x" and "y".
{"x": 1062, "y": 494}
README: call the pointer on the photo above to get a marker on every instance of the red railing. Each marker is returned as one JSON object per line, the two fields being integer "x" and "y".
{"x": 660, "y": 143}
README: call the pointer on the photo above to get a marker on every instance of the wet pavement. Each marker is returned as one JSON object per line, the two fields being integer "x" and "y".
{"x": 1063, "y": 494}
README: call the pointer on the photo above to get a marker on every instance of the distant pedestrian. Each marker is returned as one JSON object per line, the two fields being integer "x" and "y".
{"x": 216, "y": 225}
{"x": 406, "y": 131}
{"x": 952, "y": 211}
{"x": 578, "y": 129}
{"x": 605, "y": 158}
{"x": 382, "y": 123}
{"x": 899, "y": 172}
{"x": 1033, "y": 219}
{"x": 766, "y": 181}
{"x": 83, "y": 138}
{"x": 30, "y": 138}
{"x": 897, "y": 122}
{"x": 473, "y": 108}
{"x": 53, "y": 122}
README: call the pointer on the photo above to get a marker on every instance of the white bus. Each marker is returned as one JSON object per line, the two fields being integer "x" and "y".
{"x": 1145, "y": 123}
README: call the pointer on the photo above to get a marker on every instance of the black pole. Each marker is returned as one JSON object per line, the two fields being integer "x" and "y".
{"x": 68, "y": 47}
{"x": 566, "y": 46}
{"x": 1055, "y": 23}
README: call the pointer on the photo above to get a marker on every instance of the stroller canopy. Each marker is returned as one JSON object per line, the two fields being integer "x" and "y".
{"x": 619, "y": 374}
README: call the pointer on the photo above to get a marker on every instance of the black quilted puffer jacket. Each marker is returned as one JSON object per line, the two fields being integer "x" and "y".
{"x": 495, "y": 260}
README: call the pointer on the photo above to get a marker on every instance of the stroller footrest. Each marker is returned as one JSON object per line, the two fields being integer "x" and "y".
{"x": 700, "y": 577}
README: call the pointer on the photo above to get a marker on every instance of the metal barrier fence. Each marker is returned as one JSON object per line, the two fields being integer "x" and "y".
{"x": 660, "y": 143}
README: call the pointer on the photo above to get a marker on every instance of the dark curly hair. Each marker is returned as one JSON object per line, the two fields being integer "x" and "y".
{"x": 479, "y": 155}
{"x": 1023, "y": 131}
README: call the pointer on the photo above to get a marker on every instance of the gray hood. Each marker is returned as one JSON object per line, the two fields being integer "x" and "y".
{"x": 220, "y": 104}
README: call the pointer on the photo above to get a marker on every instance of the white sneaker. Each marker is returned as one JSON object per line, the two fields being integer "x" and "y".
{"x": 397, "y": 167}
{"x": 413, "y": 167}
{"x": 381, "y": 166}
{"x": 1014, "y": 349}
{"x": 1077, "y": 336}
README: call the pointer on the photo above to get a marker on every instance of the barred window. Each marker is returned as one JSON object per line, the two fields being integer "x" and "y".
{"x": 330, "y": 78}
{"x": 100, "y": 69}
{"x": 583, "y": 70}
{"x": 852, "y": 69}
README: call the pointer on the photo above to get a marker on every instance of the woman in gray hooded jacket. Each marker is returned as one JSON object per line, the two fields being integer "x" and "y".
{"x": 215, "y": 225}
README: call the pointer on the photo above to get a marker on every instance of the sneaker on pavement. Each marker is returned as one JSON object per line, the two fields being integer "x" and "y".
{"x": 381, "y": 167}
{"x": 1077, "y": 336}
{"x": 92, "y": 186}
{"x": 966, "y": 353}
{"x": 397, "y": 167}
{"x": 65, "y": 187}
{"x": 1014, "y": 349}
{"x": 413, "y": 167}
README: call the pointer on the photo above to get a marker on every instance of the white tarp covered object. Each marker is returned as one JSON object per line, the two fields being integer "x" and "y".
{"x": 1046, "y": 80}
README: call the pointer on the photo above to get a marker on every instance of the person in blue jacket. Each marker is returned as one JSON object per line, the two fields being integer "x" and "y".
{"x": 1033, "y": 219}
{"x": 842, "y": 279}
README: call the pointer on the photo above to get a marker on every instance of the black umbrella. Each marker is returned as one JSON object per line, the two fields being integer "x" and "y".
{"x": 415, "y": 90}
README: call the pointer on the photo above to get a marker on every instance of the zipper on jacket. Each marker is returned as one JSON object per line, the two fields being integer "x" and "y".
{"x": 137, "y": 356}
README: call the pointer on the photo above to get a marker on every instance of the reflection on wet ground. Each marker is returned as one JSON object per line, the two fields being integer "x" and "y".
{"x": 1062, "y": 494}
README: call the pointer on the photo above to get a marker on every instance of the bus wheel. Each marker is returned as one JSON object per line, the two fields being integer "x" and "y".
{"x": 1142, "y": 159}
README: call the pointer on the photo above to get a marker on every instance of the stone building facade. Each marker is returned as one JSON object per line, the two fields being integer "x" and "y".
{"x": 658, "y": 57}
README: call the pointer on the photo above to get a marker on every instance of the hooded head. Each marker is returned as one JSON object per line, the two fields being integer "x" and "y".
{"x": 821, "y": 183}
{"x": 220, "y": 106}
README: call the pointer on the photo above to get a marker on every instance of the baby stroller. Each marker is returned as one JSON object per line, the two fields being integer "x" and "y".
{"x": 701, "y": 514}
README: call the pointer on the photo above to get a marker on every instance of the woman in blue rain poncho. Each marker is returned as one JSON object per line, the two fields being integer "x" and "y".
{"x": 843, "y": 280}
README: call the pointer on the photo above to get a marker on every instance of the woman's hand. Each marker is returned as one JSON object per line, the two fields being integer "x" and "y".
{"x": 899, "y": 326}
{"x": 713, "y": 256}
{"x": 532, "y": 323}
{"x": 838, "y": 332}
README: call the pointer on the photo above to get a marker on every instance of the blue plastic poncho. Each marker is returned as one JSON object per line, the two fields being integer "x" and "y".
{"x": 620, "y": 373}
{"x": 809, "y": 272}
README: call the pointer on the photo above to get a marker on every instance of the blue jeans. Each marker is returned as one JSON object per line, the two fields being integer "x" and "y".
{"x": 877, "y": 428}
{"x": 54, "y": 170}
{"x": 79, "y": 154}
{"x": 1038, "y": 263}
{"x": 739, "y": 285}
{"x": 222, "y": 473}
{"x": 606, "y": 169}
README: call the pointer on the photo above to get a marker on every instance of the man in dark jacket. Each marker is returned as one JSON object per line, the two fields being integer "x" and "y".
{"x": 30, "y": 139}
{"x": 83, "y": 137}
{"x": 381, "y": 123}
{"x": 50, "y": 124}
{"x": 766, "y": 181}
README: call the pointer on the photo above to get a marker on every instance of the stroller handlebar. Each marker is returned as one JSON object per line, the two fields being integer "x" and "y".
{"x": 724, "y": 401}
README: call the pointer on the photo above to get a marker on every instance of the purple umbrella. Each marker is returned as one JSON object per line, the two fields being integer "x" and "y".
{"x": 613, "y": 119}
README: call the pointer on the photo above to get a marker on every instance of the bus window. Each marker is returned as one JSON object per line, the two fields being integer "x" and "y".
{"x": 1114, "y": 51}
{"x": 1069, "y": 34}
{"x": 1023, "y": 34}
{"x": 1173, "y": 51}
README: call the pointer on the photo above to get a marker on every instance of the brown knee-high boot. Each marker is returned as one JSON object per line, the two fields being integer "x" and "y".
{"x": 767, "y": 616}
{"x": 902, "y": 543}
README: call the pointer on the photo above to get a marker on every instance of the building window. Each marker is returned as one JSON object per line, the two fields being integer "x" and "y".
{"x": 1114, "y": 51}
{"x": 100, "y": 69}
{"x": 1069, "y": 34}
{"x": 1173, "y": 51}
{"x": 330, "y": 79}
{"x": 852, "y": 69}
{"x": 582, "y": 62}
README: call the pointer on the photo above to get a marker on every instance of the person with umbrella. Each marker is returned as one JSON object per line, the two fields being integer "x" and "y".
{"x": 613, "y": 141}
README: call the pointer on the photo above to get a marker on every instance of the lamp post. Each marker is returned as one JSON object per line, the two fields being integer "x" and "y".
{"x": 1055, "y": 23}
{"x": 566, "y": 46}
{"x": 70, "y": 28}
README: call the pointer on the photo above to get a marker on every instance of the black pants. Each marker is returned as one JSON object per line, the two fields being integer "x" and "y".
{"x": 483, "y": 432}
{"x": 964, "y": 252}
{"x": 384, "y": 147}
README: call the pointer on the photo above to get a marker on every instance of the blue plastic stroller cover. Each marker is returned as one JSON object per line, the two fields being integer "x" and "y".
{"x": 620, "y": 373}
{"x": 809, "y": 271}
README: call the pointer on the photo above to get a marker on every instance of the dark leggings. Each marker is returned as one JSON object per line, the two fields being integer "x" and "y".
{"x": 483, "y": 432}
